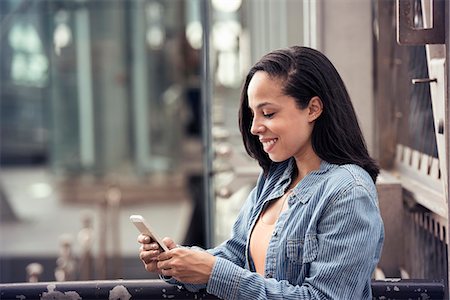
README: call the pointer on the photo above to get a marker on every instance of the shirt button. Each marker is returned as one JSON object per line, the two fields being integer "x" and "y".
{"x": 275, "y": 233}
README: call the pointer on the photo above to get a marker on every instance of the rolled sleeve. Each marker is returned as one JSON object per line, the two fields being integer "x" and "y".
{"x": 225, "y": 279}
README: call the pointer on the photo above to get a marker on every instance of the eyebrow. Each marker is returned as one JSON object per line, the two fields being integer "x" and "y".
{"x": 261, "y": 105}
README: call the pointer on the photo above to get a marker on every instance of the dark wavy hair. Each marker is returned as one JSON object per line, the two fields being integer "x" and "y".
{"x": 305, "y": 73}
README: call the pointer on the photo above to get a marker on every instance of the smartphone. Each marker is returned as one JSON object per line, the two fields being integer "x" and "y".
{"x": 144, "y": 228}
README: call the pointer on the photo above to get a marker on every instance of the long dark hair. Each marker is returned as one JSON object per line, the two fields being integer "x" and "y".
{"x": 305, "y": 73}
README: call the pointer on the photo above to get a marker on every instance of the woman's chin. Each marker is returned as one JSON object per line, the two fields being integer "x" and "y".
{"x": 277, "y": 158}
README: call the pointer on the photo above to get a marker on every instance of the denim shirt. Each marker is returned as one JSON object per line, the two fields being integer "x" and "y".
{"x": 326, "y": 245}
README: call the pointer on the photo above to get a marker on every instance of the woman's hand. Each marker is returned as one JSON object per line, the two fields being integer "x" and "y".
{"x": 186, "y": 265}
{"x": 149, "y": 251}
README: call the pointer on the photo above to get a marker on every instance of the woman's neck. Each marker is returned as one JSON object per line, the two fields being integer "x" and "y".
{"x": 307, "y": 164}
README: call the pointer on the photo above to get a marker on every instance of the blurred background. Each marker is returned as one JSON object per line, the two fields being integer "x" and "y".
{"x": 118, "y": 107}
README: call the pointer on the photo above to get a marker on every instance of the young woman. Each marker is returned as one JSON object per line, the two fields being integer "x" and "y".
{"x": 311, "y": 228}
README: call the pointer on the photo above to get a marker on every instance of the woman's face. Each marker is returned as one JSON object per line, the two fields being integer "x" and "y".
{"x": 281, "y": 126}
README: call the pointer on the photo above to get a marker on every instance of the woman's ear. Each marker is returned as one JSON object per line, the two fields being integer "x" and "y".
{"x": 315, "y": 108}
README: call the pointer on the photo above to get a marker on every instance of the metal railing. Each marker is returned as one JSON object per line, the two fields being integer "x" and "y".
{"x": 158, "y": 289}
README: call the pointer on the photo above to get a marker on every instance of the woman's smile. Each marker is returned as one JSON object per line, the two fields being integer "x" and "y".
{"x": 268, "y": 144}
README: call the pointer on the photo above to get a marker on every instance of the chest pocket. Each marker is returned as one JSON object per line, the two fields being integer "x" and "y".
{"x": 302, "y": 250}
{"x": 294, "y": 250}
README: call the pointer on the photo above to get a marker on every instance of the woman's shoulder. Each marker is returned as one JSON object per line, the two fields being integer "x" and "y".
{"x": 351, "y": 175}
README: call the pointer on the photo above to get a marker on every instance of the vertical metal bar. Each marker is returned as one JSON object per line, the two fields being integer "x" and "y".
{"x": 310, "y": 23}
{"x": 207, "y": 123}
{"x": 140, "y": 91}
{"x": 84, "y": 78}
{"x": 447, "y": 135}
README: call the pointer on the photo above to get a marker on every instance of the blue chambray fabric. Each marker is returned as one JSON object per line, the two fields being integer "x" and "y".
{"x": 324, "y": 246}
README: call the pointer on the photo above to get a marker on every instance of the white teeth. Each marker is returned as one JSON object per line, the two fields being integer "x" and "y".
{"x": 270, "y": 143}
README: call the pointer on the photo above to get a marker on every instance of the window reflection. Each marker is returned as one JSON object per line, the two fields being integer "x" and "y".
{"x": 100, "y": 119}
{"x": 29, "y": 65}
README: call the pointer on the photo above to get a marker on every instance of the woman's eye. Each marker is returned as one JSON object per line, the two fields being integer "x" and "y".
{"x": 268, "y": 115}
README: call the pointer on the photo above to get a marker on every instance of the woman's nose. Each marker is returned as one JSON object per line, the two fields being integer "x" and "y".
{"x": 256, "y": 128}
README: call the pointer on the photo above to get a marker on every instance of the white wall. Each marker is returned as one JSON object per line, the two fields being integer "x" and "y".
{"x": 344, "y": 29}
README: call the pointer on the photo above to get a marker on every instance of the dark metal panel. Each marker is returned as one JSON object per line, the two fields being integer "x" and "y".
{"x": 391, "y": 85}
{"x": 408, "y": 34}
{"x": 408, "y": 289}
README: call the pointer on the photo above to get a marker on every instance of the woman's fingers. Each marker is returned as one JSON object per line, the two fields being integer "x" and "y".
{"x": 143, "y": 239}
{"x": 149, "y": 256}
{"x": 169, "y": 243}
{"x": 150, "y": 252}
{"x": 149, "y": 247}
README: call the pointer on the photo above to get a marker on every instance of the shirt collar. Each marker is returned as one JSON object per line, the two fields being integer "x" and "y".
{"x": 301, "y": 192}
